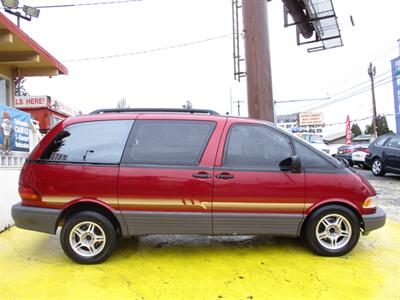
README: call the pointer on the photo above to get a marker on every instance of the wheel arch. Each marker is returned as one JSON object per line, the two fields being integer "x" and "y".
{"x": 89, "y": 206}
{"x": 342, "y": 203}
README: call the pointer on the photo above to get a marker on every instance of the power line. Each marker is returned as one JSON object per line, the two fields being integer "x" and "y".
{"x": 149, "y": 50}
{"x": 361, "y": 119}
{"x": 350, "y": 76}
{"x": 382, "y": 82}
{"x": 351, "y": 94}
{"x": 87, "y": 4}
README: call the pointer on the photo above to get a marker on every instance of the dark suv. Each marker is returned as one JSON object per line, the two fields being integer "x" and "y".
{"x": 137, "y": 172}
{"x": 384, "y": 155}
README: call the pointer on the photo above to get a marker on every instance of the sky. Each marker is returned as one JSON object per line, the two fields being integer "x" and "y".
{"x": 202, "y": 72}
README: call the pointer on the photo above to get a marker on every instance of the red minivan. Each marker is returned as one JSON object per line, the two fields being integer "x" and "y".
{"x": 137, "y": 172}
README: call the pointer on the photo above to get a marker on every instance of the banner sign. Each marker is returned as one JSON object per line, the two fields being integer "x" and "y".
{"x": 310, "y": 119}
{"x": 14, "y": 130}
{"x": 31, "y": 101}
{"x": 396, "y": 90}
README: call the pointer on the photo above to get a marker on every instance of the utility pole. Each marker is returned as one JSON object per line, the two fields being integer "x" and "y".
{"x": 238, "y": 106}
{"x": 258, "y": 61}
{"x": 371, "y": 73}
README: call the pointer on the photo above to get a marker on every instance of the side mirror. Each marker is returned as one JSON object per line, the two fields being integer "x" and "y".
{"x": 292, "y": 164}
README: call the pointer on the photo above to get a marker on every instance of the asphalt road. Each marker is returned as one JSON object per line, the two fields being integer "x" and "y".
{"x": 368, "y": 175}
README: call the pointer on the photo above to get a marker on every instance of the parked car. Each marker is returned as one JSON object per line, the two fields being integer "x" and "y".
{"x": 316, "y": 141}
{"x": 384, "y": 155}
{"x": 358, "y": 156}
{"x": 139, "y": 171}
{"x": 345, "y": 154}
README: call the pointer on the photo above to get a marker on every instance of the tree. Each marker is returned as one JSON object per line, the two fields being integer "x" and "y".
{"x": 122, "y": 104}
{"x": 381, "y": 126}
{"x": 20, "y": 88}
{"x": 355, "y": 130}
{"x": 369, "y": 129}
{"x": 188, "y": 105}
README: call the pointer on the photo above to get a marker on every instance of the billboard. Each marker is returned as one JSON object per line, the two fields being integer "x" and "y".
{"x": 396, "y": 90}
{"x": 310, "y": 118}
{"x": 14, "y": 130}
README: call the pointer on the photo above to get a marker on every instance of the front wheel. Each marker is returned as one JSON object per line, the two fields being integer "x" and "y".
{"x": 332, "y": 230}
{"x": 88, "y": 237}
{"x": 377, "y": 167}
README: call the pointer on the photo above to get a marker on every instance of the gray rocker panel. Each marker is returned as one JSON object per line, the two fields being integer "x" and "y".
{"x": 141, "y": 223}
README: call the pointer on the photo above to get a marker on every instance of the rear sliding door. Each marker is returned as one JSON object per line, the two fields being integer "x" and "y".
{"x": 162, "y": 186}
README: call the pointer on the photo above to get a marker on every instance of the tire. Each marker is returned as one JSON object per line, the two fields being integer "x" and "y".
{"x": 377, "y": 167}
{"x": 351, "y": 163}
{"x": 326, "y": 237}
{"x": 88, "y": 237}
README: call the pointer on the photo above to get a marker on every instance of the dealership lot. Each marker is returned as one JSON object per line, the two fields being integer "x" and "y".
{"x": 33, "y": 266}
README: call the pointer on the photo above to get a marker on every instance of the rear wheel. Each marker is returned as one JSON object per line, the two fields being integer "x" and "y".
{"x": 332, "y": 230}
{"x": 377, "y": 167}
{"x": 88, "y": 237}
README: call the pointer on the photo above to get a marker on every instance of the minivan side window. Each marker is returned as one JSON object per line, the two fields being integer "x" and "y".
{"x": 255, "y": 146}
{"x": 308, "y": 158}
{"x": 168, "y": 142}
{"x": 90, "y": 142}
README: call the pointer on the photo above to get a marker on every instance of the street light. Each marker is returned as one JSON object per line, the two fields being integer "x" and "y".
{"x": 11, "y": 7}
{"x": 31, "y": 11}
{"x": 12, "y": 4}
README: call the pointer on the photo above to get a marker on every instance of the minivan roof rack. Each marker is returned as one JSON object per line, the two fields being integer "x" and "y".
{"x": 155, "y": 110}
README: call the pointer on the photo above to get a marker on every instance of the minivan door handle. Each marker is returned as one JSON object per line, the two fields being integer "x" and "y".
{"x": 201, "y": 175}
{"x": 225, "y": 176}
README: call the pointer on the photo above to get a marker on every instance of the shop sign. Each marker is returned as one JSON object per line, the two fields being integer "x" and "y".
{"x": 31, "y": 101}
{"x": 310, "y": 119}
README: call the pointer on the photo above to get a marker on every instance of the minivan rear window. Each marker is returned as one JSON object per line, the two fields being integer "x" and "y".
{"x": 99, "y": 142}
{"x": 168, "y": 142}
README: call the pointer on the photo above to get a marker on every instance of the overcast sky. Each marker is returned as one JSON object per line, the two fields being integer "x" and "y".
{"x": 203, "y": 72}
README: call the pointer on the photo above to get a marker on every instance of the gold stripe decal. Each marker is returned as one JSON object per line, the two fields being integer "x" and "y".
{"x": 180, "y": 203}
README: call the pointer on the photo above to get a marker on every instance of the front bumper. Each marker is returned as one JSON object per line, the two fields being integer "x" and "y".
{"x": 35, "y": 218}
{"x": 374, "y": 221}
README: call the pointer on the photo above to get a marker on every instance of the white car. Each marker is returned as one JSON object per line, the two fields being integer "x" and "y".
{"x": 359, "y": 154}
{"x": 316, "y": 140}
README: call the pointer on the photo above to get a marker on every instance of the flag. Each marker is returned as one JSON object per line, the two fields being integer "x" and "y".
{"x": 348, "y": 131}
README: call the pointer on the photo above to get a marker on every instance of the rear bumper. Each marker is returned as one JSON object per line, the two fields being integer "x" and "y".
{"x": 368, "y": 161}
{"x": 35, "y": 218}
{"x": 374, "y": 221}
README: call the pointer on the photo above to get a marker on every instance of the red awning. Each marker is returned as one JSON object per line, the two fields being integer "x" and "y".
{"x": 23, "y": 55}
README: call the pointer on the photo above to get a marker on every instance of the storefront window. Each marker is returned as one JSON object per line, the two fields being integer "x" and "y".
{"x": 4, "y": 91}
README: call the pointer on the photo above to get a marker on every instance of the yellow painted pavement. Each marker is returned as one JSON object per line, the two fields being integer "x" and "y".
{"x": 33, "y": 266}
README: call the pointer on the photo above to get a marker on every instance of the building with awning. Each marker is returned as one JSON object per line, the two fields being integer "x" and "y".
{"x": 21, "y": 56}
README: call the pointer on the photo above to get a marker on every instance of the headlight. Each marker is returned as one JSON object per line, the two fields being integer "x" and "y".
{"x": 370, "y": 202}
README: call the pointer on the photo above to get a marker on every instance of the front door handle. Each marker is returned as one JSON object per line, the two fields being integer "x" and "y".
{"x": 201, "y": 175}
{"x": 225, "y": 176}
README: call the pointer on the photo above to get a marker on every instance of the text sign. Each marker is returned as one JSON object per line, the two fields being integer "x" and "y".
{"x": 310, "y": 118}
{"x": 31, "y": 101}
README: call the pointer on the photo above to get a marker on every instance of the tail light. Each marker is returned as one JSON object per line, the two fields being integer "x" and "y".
{"x": 366, "y": 150}
{"x": 347, "y": 151}
{"x": 28, "y": 194}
